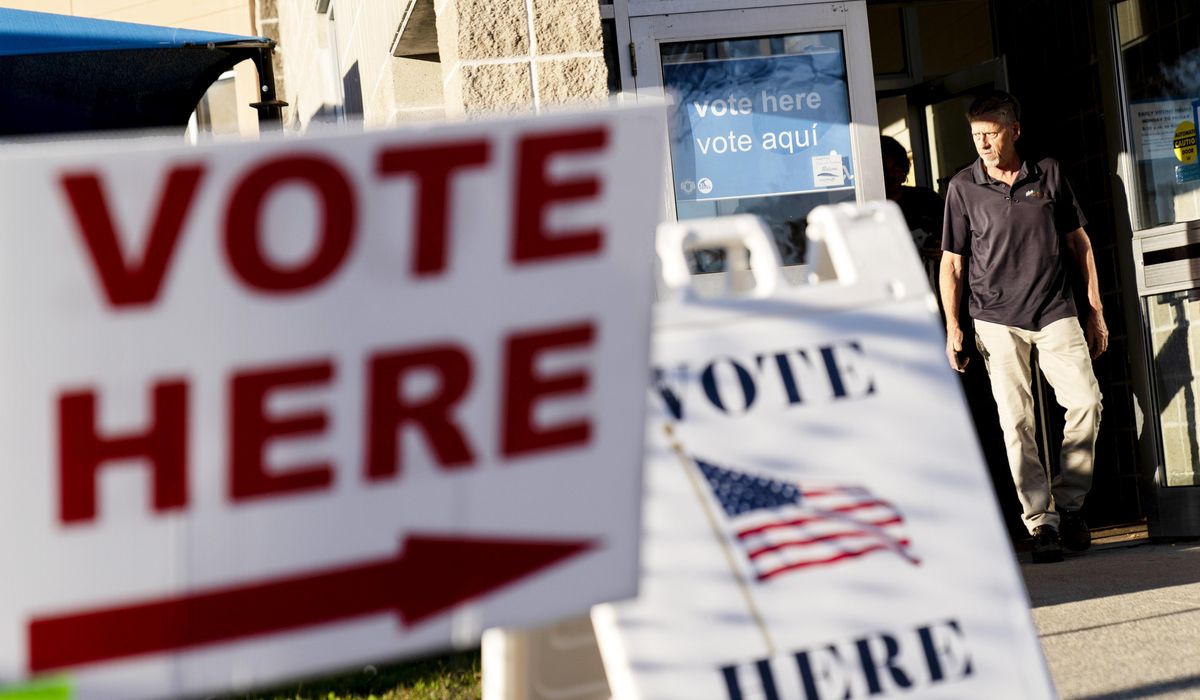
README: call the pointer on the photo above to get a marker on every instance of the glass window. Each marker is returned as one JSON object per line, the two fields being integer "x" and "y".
{"x": 1174, "y": 326}
{"x": 1159, "y": 56}
{"x": 759, "y": 125}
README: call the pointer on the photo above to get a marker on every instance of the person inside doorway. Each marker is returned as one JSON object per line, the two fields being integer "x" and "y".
{"x": 1018, "y": 223}
{"x": 922, "y": 207}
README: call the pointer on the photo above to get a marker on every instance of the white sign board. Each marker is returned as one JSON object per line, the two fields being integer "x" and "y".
{"x": 819, "y": 523}
{"x": 278, "y": 408}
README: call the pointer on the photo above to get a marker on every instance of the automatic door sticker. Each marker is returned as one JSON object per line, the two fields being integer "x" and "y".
{"x": 1185, "y": 142}
{"x": 828, "y": 170}
{"x": 786, "y": 527}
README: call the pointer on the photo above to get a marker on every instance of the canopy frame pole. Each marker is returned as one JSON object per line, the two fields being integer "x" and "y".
{"x": 270, "y": 109}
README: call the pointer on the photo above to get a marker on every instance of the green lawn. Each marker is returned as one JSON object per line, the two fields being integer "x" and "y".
{"x": 448, "y": 677}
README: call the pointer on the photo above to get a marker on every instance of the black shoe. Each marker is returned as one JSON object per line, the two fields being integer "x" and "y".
{"x": 1075, "y": 533}
{"x": 1046, "y": 549}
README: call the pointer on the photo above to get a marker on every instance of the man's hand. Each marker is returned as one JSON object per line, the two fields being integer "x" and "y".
{"x": 1097, "y": 333}
{"x": 954, "y": 350}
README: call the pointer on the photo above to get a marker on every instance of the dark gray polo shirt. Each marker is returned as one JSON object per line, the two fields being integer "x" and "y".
{"x": 1014, "y": 237}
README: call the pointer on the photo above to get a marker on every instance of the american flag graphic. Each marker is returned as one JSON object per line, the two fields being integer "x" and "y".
{"x": 789, "y": 527}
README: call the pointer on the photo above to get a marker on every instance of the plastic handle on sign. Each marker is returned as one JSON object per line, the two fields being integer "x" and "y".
{"x": 828, "y": 256}
{"x": 853, "y": 243}
{"x": 744, "y": 232}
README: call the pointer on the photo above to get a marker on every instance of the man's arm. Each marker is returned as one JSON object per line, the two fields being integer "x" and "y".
{"x": 950, "y": 276}
{"x": 1081, "y": 252}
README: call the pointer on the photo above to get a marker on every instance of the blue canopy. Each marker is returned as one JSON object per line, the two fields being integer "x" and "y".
{"x": 61, "y": 73}
{"x": 25, "y": 33}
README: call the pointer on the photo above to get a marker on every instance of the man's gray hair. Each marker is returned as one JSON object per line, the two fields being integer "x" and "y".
{"x": 995, "y": 104}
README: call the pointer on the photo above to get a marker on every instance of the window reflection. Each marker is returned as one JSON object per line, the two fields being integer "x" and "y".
{"x": 1161, "y": 65}
{"x": 1174, "y": 320}
{"x": 759, "y": 125}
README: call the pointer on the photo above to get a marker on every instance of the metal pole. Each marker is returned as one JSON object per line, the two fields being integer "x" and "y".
{"x": 270, "y": 109}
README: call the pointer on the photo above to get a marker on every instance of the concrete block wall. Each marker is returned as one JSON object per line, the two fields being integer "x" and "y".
{"x": 495, "y": 56}
{"x": 308, "y": 82}
{"x": 231, "y": 16}
{"x": 520, "y": 55}
{"x": 340, "y": 61}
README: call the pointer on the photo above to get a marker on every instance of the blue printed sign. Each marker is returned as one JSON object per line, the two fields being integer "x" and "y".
{"x": 750, "y": 127}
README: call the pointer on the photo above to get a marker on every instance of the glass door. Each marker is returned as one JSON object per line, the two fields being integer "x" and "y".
{"x": 1159, "y": 92}
{"x": 771, "y": 112}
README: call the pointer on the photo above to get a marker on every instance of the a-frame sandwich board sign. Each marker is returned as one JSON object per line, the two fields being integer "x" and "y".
{"x": 818, "y": 521}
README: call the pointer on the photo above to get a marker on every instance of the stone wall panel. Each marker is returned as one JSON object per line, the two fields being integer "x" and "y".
{"x": 490, "y": 29}
{"x": 496, "y": 88}
{"x": 573, "y": 80}
{"x": 567, "y": 26}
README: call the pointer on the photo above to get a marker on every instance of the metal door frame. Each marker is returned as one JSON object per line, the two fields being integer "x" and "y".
{"x": 643, "y": 25}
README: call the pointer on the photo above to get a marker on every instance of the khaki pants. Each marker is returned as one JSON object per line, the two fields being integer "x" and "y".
{"x": 1064, "y": 359}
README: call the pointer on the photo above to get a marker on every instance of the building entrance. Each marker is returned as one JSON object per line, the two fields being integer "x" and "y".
{"x": 771, "y": 112}
{"x": 906, "y": 69}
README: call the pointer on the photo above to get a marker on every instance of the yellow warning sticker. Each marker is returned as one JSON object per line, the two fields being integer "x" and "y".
{"x": 1185, "y": 142}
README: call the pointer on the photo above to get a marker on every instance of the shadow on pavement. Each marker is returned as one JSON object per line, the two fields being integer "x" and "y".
{"x": 1111, "y": 571}
{"x": 1149, "y": 690}
{"x": 1143, "y": 618}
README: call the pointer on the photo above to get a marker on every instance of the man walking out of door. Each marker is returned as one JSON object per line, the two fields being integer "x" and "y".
{"x": 1022, "y": 228}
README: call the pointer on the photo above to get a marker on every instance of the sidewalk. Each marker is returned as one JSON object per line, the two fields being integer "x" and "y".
{"x": 1121, "y": 620}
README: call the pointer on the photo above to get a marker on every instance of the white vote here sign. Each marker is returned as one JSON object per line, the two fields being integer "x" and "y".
{"x": 276, "y": 408}
{"x": 819, "y": 523}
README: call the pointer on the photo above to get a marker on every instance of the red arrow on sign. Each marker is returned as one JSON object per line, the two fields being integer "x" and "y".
{"x": 428, "y": 576}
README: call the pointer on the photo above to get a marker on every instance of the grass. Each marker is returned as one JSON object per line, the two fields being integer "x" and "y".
{"x": 448, "y": 677}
